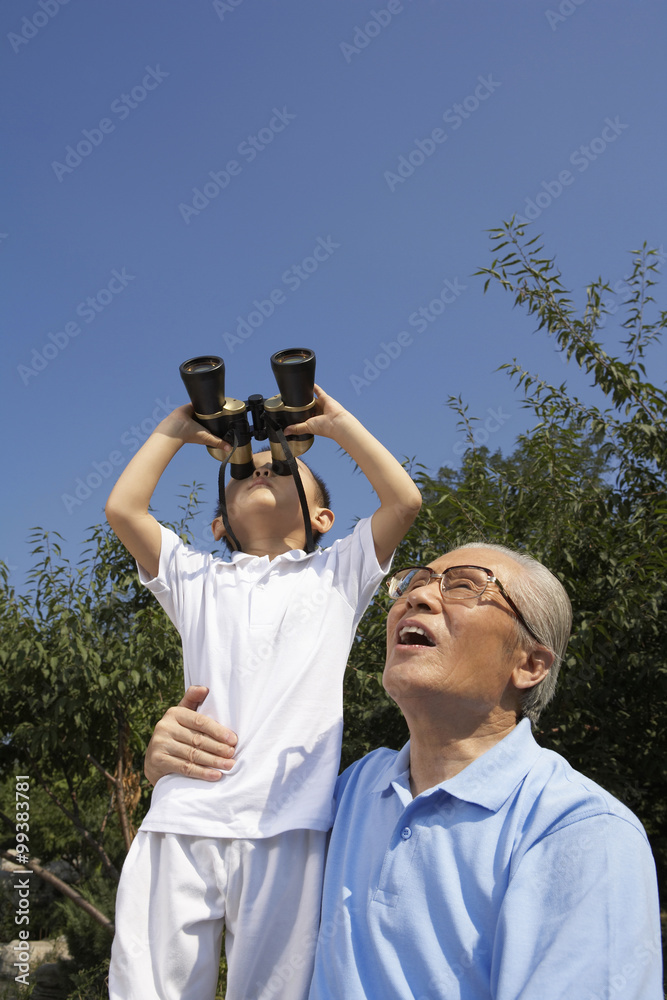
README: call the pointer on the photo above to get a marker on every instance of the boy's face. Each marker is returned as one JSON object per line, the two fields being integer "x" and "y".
{"x": 266, "y": 500}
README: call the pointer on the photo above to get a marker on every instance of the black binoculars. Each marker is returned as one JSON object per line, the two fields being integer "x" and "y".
{"x": 238, "y": 422}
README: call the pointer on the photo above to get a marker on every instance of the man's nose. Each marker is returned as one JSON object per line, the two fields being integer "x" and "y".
{"x": 264, "y": 471}
{"x": 426, "y": 596}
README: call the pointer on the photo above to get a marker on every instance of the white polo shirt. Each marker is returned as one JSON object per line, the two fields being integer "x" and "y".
{"x": 270, "y": 639}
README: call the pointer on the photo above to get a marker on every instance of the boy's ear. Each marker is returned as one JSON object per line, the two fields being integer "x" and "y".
{"x": 218, "y": 529}
{"x": 322, "y": 520}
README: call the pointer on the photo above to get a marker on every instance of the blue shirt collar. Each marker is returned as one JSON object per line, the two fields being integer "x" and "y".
{"x": 488, "y": 781}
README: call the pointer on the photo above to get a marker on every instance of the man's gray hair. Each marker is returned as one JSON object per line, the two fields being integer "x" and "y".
{"x": 543, "y": 601}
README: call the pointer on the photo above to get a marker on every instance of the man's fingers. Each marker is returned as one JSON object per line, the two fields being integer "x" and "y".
{"x": 166, "y": 755}
{"x": 193, "y": 697}
{"x": 205, "y": 726}
{"x": 202, "y": 758}
{"x": 161, "y": 764}
{"x": 187, "y": 718}
{"x": 191, "y": 744}
{"x": 204, "y": 773}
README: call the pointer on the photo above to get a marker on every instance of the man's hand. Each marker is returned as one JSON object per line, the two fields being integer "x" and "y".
{"x": 188, "y": 743}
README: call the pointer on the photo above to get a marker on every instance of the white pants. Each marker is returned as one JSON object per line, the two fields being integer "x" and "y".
{"x": 175, "y": 894}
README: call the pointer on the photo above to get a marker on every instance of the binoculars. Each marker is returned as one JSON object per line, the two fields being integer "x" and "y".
{"x": 238, "y": 422}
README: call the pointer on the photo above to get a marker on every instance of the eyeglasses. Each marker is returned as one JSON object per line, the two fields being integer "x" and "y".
{"x": 458, "y": 583}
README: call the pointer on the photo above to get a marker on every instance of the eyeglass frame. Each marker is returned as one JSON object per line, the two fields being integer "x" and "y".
{"x": 490, "y": 578}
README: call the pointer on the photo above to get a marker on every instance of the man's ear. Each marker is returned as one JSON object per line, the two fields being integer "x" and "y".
{"x": 218, "y": 529}
{"x": 533, "y": 668}
{"x": 322, "y": 520}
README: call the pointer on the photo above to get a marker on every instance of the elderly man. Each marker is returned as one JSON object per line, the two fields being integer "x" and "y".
{"x": 472, "y": 864}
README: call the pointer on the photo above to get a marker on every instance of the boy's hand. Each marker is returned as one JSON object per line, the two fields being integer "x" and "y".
{"x": 186, "y": 742}
{"x": 181, "y": 425}
{"x": 127, "y": 507}
{"x": 400, "y": 499}
{"x": 328, "y": 419}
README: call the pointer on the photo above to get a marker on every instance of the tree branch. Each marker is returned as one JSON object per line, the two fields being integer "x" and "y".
{"x": 87, "y": 836}
{"x": 62, "y": 887}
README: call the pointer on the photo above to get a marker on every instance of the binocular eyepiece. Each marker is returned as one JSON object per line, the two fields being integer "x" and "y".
{"x": 238, "y": 422}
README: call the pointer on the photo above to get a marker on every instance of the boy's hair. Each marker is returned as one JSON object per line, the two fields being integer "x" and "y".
{"x": 323, "y": 495}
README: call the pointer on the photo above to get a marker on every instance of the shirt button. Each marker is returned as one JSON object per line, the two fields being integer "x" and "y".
{"x": 406, "y": 833}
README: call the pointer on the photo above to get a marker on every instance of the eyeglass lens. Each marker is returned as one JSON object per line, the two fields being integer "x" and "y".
{"x": 457, "y": 583}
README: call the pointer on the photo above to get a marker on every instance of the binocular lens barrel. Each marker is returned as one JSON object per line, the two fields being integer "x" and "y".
{"x": 294, "y": 371}
{"x": 204, "y": 379}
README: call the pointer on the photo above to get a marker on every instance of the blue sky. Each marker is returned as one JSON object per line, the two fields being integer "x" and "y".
{"x": 236, "y": 177}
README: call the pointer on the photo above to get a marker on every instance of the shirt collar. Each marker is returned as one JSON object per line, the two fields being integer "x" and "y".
{"x": 488, "y": 781}
{"x": 292, "y": 555}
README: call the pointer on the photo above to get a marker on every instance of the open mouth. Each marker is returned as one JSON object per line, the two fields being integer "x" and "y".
{"x": 413, "y": 635}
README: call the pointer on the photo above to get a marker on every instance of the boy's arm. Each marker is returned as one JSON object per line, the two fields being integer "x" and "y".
{"x": 127, "y": 506}
{"x": 400, "y": 500}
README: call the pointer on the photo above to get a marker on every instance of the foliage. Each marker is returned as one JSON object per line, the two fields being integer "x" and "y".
{"x": 87, "y": 658}
{"x": 90, "y": 984}
{"x": 88, "y": 942}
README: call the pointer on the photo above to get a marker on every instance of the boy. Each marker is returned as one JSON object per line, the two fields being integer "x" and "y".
{"x": 269, "y": 634}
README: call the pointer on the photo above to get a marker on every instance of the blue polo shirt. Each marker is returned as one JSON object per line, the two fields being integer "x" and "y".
{"x": 518, "y": 879}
